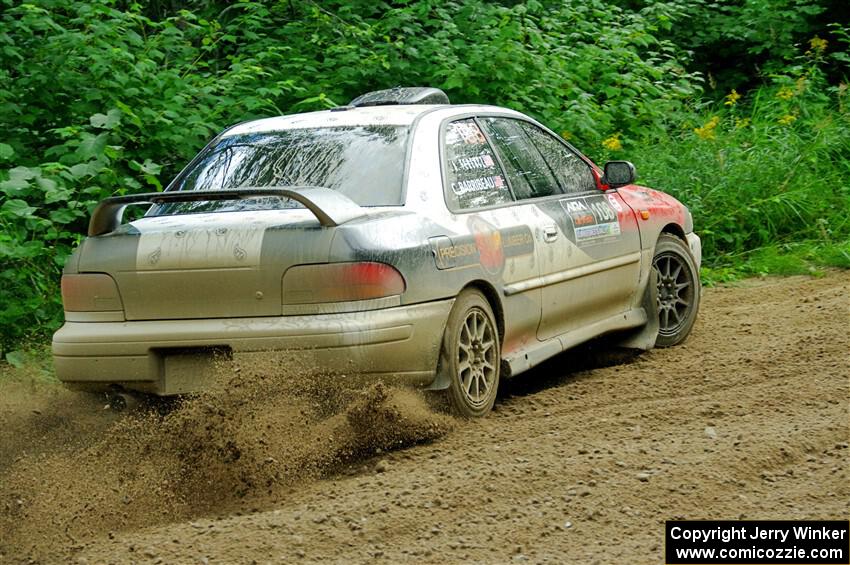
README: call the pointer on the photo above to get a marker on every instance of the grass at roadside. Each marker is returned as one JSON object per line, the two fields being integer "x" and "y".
{"x": 802, "y": 258}
{"x": 30, "y": 363}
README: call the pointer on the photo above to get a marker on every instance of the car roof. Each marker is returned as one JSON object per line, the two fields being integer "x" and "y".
{"x": 395, "y": 115}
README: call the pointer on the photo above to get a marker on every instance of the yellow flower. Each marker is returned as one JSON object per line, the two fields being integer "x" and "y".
{"x": 707, "y": 129}
{"x": 787, "y": 119}
{"x": 801, "y": 84}
{"x": 566, "y": 135}
{"x": 732, "y": 98}
{"x": 741, "y": 123}
{"x": 613, "y": 143}
{"x": 785, "y": 93}
{"x": 818, "y": 44}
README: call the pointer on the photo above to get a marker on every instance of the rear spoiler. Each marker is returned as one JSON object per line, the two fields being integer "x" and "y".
{"x": 329, "y": 206}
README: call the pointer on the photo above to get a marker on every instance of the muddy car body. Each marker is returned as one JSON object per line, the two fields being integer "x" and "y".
{"x": 443, "y": 246}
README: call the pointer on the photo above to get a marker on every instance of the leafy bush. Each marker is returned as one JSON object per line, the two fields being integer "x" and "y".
{"x": 102, "y": 101}
{"x": 769, "y": 168}
{"x": 736, "y": 42}
{"x": 104, "y": 97}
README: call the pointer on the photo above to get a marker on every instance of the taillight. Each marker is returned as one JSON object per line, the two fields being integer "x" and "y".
{"x": 340, "y": 282}
{"x": 90, "y": 292}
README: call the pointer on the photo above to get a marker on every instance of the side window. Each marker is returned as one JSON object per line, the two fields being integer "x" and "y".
{"x": 572, "y": 172}
{"x": 528, "y": 173}
{"x": 473, "y": 176}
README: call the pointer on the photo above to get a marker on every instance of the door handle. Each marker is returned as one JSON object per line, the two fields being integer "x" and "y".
{"x": 550, "y": 234}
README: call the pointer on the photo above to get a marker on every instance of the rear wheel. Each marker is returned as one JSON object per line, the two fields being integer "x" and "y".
{"x": 678, "y": 290}
{"x": 471, "y": 355}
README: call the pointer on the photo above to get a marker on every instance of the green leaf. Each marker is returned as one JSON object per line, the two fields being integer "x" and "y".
{"x": 47, "y": 185}
{"x": 6, "y": 151}
{"x": 81, "y": 170}
{"x": 24, "y": 173}
{"x": 18, "y": 207}
{"x": 13, "y": 185}
{"x": 149, "y": 167}
{"x": 106, "y": 121}
{"x": 64, "y": 216}
{"x": 92, "y": 146}
{"x": 152, "y": 180}
{"x": 16, "y": 359}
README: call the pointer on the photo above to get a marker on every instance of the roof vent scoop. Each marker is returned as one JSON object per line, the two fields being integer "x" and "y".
{"x": 401, "y": 95}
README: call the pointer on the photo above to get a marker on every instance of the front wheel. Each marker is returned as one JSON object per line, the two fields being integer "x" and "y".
{"x": 470, "y": 355}
{"x": 678, "y": 290}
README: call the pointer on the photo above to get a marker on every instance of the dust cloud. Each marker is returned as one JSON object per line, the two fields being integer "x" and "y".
{"x": 71, "y": 469}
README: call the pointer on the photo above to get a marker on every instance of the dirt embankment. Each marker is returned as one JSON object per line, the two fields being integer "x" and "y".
{"x": 582, "y": 460}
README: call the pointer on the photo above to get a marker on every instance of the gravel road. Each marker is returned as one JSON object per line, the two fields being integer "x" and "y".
{"x": 582, "y": 461}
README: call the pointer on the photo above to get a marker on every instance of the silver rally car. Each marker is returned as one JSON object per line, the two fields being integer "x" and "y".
{"x": 401, "y": 237}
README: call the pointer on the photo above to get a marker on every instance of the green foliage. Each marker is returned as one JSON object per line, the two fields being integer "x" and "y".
{"x": 102, "y": 101}
{"x": 770, "y": 168}
{"x": 31, "y": 364}
{"x": 799, "y": 258}
{"x": 735, "y": 42}
{"x": 102, "y": 97}
{"x": 584, "y": 66}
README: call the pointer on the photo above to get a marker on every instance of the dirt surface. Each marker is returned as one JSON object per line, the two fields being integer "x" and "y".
{"x": 582, "y": 460}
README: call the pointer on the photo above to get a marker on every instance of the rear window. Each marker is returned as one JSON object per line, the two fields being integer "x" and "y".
{"x": 365, "y": 163}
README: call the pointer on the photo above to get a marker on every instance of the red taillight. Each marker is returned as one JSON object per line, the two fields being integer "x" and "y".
{"x": 90, "y": 292}
{"x": 340, "y": 282}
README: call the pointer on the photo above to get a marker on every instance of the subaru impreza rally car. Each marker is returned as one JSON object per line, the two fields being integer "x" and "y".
{"x": 400, "y": 237}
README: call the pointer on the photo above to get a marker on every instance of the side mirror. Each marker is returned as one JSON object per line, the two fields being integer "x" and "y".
{"x": 618, "y": 173}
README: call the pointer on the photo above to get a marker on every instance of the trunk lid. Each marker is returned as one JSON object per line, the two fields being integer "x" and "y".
{"x": 214, "y": 265}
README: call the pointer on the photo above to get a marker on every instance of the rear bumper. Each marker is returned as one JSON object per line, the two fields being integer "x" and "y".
{"x": 165, "y": 357}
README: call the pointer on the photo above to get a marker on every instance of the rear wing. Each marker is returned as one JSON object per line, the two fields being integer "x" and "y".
{"x": 329, "y": 206}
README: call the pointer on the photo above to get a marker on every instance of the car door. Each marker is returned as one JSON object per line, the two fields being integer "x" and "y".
{"x": 493, "y": 232}
{"x": 590, "y": 260}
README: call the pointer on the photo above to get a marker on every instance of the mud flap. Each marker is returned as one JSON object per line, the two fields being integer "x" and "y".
{"x": 643, "y": 338}
{"x": 442, "y": 380}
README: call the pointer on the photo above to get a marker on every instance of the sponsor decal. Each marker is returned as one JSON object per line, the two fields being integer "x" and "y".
{"x": 594, "y": 219}
{"x": 154, "y": 256}
{"x": 579, "y": 213}
{"x": 488, "y": 240}
{"x": 612, "y": 199}
{"x": 480, "y": 184}
{"x": 487, "y": 246}
{"x": 469, "y": 133}
{"x": 239, "y": 253}
{"x": 218, "y": 246}
{"x": 597, "y": 230}
{"x": 474, "y": 163}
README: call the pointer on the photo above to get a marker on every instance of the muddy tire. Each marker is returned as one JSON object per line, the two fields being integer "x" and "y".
{"x": 470, "y": 355}
{"x": 678, "y": 290}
